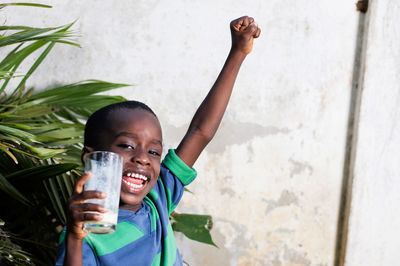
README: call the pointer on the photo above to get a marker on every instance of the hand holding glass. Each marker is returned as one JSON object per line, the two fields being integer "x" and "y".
{"x": 106, "y": 169}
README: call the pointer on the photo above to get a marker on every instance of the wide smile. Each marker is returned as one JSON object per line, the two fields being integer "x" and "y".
{"x": 135, "y": 182}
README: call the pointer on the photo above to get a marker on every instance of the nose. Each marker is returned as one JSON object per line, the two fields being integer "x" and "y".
{"x": 141, "y": 157}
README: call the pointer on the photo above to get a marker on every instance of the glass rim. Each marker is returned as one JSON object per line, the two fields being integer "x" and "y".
{"x": 103, "y": 152}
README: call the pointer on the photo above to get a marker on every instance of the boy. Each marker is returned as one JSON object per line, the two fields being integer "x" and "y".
{"x": 144, "y": 235}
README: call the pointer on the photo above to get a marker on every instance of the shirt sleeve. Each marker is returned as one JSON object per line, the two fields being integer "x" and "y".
{"x": 174, "y": 175}
{"x": 181, "y": 171}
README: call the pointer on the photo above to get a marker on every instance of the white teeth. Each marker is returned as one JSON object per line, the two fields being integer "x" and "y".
{"x": 133, "y": 185}
{"x": 136, "y": 175}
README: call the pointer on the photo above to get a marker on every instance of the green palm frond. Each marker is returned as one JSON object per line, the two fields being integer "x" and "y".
{"x": 27, "y": 34}
{"x": 38, "y": 38}
{"x": 40, "y": 141}
{"x": 24, "y": 4}
{"x": 42, "y": 124}
{"x": 7, "y": 187}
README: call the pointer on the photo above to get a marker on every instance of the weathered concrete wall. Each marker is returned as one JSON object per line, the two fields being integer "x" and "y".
{"x": 271, "y": 178}
{"x": 374, "y": 228}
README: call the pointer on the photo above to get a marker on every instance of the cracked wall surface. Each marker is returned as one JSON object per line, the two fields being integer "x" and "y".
{"x": 271, "y": 177}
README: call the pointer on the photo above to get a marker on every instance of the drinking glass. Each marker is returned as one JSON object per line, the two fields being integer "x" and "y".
{"x": 106, "y": 169}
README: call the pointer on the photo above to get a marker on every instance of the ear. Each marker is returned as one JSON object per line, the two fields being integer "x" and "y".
{"x": 85, "y": 150}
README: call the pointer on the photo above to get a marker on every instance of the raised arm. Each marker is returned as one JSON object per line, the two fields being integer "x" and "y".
{"x": 209, "y": 115}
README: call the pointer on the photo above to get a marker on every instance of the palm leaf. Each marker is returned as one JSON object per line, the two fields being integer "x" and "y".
{"x": 12, "y": 62}
{"x": 30, "y": 110}
{"x": 17, "y": 133}
{"x": 65, "y": 94}
{"x": 194, "y": 226}
{"x": 58, "y": 206}
{"x": 24, "y": 4}
{"x": 40, "y": 173}
{"x": 18, "y": 150}
{"x": 8, "y": 188}
{"x": 24, "y": 147}
{"x": 9, "y": 153}
{"x": 15, "y": 57}
{"x": 26, "y": 34}
{"x": 34, "y": 66}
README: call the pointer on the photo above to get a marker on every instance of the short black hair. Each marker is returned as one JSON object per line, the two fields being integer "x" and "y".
{"x": 96, "y": 121}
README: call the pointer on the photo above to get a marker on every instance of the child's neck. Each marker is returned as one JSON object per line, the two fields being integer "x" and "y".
{"x": 130, "y": 207}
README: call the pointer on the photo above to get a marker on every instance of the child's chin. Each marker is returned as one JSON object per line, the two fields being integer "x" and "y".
{"x": 130, "y": 198}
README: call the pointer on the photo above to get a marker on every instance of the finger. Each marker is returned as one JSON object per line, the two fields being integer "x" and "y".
{"x": 251, "y": 29}
{"x": 235, "y": 24}
{"x": 87, "y": 216}
{"x": 257, "y": 34}
{"x": 78, "y": 188}
{"x": 245, "y": 22}
{"x": 251, "y": 20}
{"x": 84, "y": 207}
{"x": 238, "y": 23}
{"x": 89, "y": 194}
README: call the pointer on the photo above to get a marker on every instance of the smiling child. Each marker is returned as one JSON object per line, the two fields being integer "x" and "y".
{"x": 150, "y": 189}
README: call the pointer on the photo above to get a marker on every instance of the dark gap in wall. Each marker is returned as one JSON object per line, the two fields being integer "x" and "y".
{"x": 351, "y": 141}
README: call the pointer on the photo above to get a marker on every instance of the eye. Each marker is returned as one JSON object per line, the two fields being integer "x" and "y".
{"x": 126, "y": 146}
{"x": 155, "y": 153}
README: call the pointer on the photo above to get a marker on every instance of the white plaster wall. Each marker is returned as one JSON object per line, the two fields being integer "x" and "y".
{"x": 271, "y": 177}
{"x": 374, "y": 228}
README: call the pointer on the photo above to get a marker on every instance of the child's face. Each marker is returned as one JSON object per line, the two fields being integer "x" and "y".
{"x": 135, "y": 134}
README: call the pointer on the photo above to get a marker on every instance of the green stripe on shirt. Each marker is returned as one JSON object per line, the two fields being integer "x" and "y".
{"x": 170, "y": 246}
{"x": 171, "y": 206}
{"x": 154, "y": 214}
{"x": 105, "y": 244}
{"x": 157, "y": 260}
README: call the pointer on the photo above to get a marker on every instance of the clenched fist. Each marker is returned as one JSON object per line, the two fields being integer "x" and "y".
{"x": 243, "y": 31}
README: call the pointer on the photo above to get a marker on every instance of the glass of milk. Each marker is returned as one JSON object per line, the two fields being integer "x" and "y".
{"x": 106, "y": 169}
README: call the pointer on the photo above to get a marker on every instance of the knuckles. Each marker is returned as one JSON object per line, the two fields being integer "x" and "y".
{"x": 76, "y": 202}
{"x": 244, "y": 27}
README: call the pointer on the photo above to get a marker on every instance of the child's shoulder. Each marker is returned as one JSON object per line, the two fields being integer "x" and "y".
{"x": 173, "y": 165}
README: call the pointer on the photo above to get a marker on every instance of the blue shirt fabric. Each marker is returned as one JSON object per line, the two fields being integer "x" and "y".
{"x": 144, "y": 237}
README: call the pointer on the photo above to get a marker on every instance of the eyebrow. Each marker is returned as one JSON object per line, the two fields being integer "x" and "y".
{"x": 134, "y": 136}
